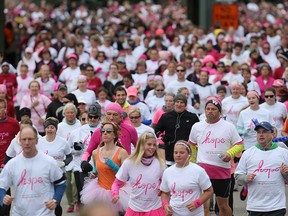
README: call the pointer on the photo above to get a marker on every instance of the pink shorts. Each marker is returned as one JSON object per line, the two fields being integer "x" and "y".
{"x": 156, "y": 212}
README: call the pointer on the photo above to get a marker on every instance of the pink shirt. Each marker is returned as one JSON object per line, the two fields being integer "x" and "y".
{"x": 128, "y": 136}
{"x": 157, "y": 116}
{"x": 38, "y": 111}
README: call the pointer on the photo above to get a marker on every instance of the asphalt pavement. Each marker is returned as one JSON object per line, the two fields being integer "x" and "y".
{"x": 239, "y": 206}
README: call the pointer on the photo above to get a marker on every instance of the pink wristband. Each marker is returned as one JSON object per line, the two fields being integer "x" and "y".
{"x": 164, "y": 203}
{"x": 197, "y": 203}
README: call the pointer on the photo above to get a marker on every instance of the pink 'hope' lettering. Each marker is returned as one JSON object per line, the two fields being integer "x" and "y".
{"x": 182, "y": 193}
{"x": 145, "y": 186}
{"x": 29, "y": 181}
{"x": 260, "y": 169}
{"x": 214, "y": 141}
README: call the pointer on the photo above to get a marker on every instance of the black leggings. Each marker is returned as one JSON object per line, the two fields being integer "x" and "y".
{"x": 79, "y": 180}
{"x": 58, "y": 210}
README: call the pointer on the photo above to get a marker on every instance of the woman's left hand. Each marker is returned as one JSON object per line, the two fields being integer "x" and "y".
{"x": 196, "y": 106}
{"x": 41, "y": 121}
{"x": 191, "y": 206}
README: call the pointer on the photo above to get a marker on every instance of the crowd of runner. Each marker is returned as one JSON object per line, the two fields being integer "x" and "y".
{"x": 117, "y": 94}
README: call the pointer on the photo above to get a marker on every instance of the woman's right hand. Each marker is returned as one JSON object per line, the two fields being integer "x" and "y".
{"x": 115, "y": 199}
{"x": 168, "y": 210}
{"x": 35, "y": 103}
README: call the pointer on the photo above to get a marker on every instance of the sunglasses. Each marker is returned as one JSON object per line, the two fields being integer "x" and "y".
{"x": 159, "y": 90}
{"x": 83, "y": 119}
{"x": 134, "y": 117}
{"x": 269, "y": 96}
{"x": 108, "y": 130}
{"x": 92, "y": 116}
{"x": 180, "y": 70}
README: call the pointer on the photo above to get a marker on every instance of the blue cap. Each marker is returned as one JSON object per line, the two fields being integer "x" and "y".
{"x": 265, "y": 125}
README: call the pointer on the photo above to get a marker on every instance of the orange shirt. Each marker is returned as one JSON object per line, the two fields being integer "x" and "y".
{"x": 106, "y": 175}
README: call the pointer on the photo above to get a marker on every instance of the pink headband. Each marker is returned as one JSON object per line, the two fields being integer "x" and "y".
{"x": 82, "y": 78}
{"x": 253, "y": 93}
{"x": 186, "y": 146}
{"x": 114, "y": 107}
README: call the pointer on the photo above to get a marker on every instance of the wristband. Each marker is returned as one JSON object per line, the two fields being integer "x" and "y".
{"x": 114, "y": 193}
{"x": 197, "y": 203}
{"x": 164, "y": 203}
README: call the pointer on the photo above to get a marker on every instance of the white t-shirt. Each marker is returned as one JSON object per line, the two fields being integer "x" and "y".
{"x": 70, "y": 76}
{"x": 103, "y": 104}
{"x": 231, "y": 78}
{"x": 168, "y": 78}
{"x": 82, "y": 134}
{"x": 140, "y": 80}
{"x": 33, "y": 179}
{"x": 154, "y": 103}
{"x": 277, "y": 110}
{"x": 173, "y": 87}
{"x": 185, "y": 185}
{"x": 213, "y": 139}
{"x": 245, "y": 126}
{"x": 58, "y": 148}
{"x": 204, "y": 92}
{"x": 64, "y": 129}
{"x": 145, "y": 112}
{"x": 104, "y": 66}
{"x": 46, "y": 87}
{"x": 15, "y": 148}
{"x": 231, "y": 107}
{"x": 143, "y": 128}
{"x": 252, "y": 85}
{"x": 144, "y": 186}
{"x": 88, "y": 96}
{"x": 267, "y": 190}
{"x": 22, "y": 89}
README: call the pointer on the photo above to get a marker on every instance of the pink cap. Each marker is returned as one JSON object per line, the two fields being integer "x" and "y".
{"x": 208, "y": 58}
{"x": 56, "y": 85}
{"x": 3, "y": 88}
{"x": 132, "y": 91}
{"x": 159, "y": 31}
{"x": 143, "y": 56}
{"x": 114, "y": 107}
{"x": 73, "y": 55}
{"x": 278, "y": 83}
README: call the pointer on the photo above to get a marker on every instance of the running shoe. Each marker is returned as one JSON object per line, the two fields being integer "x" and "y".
{"x": 243, "y": 193}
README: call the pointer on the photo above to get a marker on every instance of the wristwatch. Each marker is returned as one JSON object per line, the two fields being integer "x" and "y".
{"x": 55, "y": 201}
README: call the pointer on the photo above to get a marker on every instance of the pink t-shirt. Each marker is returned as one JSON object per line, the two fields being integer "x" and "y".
{"x": 38, "y": 111}
{"x": 128, "y": 136}
{"x": 157, "y": 116}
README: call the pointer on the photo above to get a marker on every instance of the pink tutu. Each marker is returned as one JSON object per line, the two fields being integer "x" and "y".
{"x": 156, "y": 212}
{"x": 92, "y": 192}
